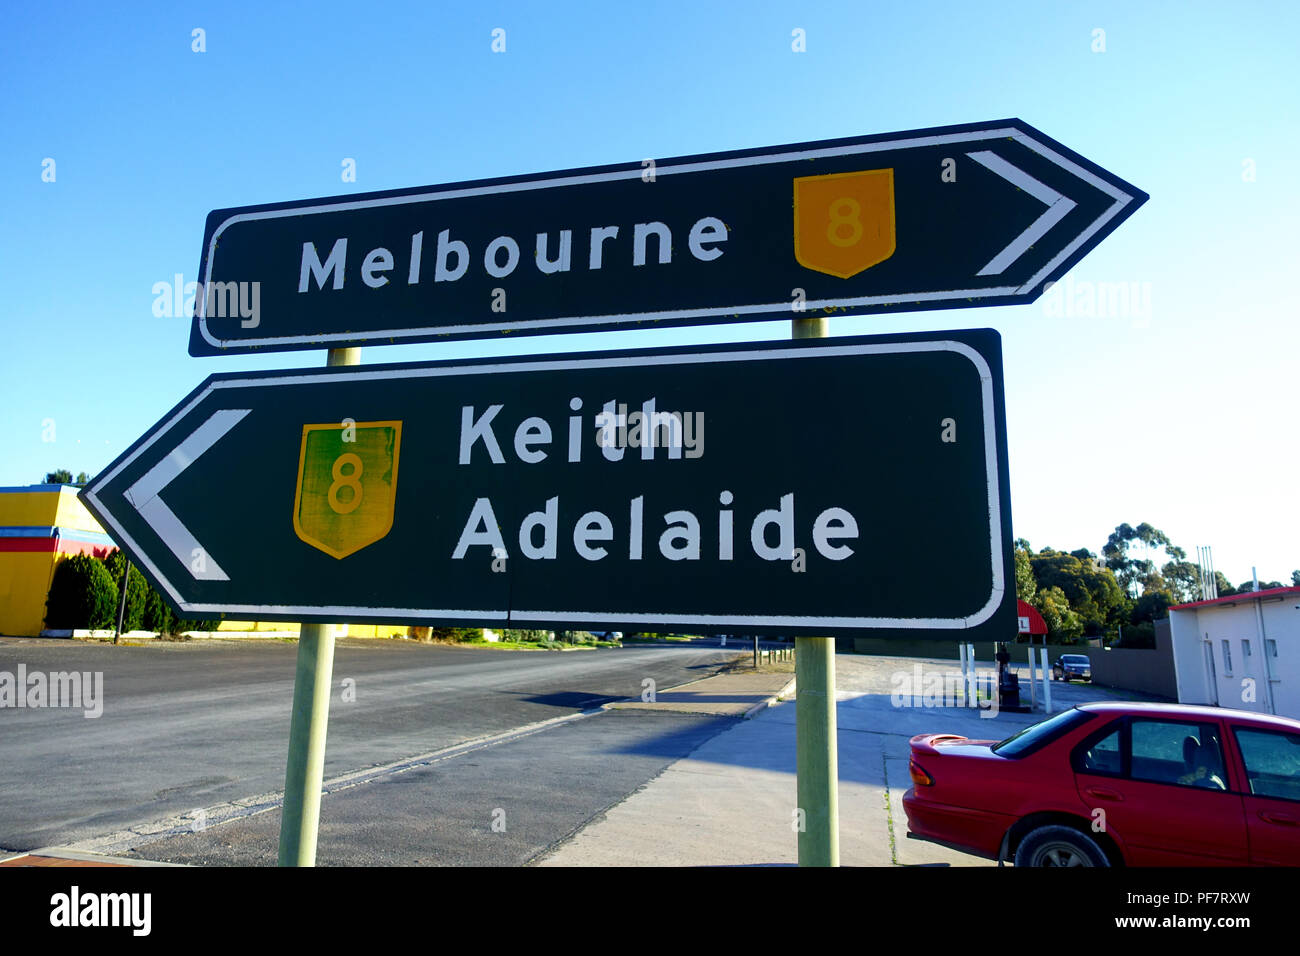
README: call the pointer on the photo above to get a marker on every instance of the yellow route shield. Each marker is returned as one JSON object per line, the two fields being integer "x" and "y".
{"x": 844, "y": 222}
{"x": 347, "y": 482}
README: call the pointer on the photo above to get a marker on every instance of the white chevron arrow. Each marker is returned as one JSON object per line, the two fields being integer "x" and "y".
{"x": 144, "y": 495}
{"x": 1057, "y": 208}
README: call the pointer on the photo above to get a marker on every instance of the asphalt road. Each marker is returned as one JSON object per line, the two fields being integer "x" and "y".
{"x": 192, "y": 725}
{"x": 503, "y": 805}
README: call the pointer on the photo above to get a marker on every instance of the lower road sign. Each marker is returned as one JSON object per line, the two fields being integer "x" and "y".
{"x": 811, "y": 487}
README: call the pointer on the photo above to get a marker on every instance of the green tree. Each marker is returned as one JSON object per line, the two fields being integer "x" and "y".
{"x": 1183, "y": 580}
{"x": 1140, "y": 635}
{"x": 1063, "y": 625}
{"x": 1263, "y": 586}
{"x": 60, "y": 477}
{"x": 1138, "y": 575}
{"x": 1091, "y": 590}
{"x": 1117, "y": 558}
{"x": 1025, "y": 584}
{"x": 1151, "y": 607}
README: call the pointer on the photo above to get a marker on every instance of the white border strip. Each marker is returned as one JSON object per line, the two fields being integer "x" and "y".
{"x": 144, "y": 494}
{"x": 305, "y": 377}
{"x": 1122, "y": 199}
{"x": 1058, "y": 207}
{"x": 180, "y": 542}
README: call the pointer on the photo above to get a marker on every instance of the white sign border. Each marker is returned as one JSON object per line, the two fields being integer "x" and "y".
{"x": 578, "y": 323}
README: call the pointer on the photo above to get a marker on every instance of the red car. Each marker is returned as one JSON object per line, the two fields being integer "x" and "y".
{"x": 1114, "y": 785}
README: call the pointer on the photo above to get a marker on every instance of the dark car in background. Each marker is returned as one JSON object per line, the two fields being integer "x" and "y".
{"x": 1072, "y": 667}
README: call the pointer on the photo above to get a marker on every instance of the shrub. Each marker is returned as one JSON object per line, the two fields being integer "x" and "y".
{"x": 454, "y": 635}
{"x": 195, "y": 623}
{"x": 82, "y": 595}
{"x": 526, "y": 637}
{"x": 156, "y": 615}
{"x": 146, "y": 609}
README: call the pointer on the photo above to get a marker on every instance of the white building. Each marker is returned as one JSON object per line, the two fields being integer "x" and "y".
{"x": 1240, "y": 651}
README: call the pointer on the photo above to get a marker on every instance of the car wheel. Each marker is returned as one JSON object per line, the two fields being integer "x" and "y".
{"x": 1059, "y": 846}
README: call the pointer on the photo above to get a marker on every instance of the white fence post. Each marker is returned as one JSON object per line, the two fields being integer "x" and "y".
{"x": 1047, "y": 685}
{"x": 965, "y": 684}
{"x": 1033, "y": 678}
{"x": 974, "y": 674}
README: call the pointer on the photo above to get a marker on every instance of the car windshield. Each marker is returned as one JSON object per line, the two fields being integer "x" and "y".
{"x": 1074, "y": 659}
{"x": 1041, "y": 733}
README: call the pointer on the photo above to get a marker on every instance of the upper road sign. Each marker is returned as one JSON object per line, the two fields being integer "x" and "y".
{"x": 787, "y": 487}
{"x": 974, "y": 215}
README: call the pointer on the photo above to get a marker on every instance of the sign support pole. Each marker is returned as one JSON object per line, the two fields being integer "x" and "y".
{"x": 121, "y": 604}
{"x": 305, "y": 771}
{"x": 817, "y": 749}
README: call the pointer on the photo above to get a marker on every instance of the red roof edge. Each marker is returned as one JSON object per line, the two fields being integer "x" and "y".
{"x": 1237, "y": 598}
{"x": 1036, "y": 623}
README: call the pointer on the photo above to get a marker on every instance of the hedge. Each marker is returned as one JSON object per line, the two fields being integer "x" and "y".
{"x": 83, "y": 594}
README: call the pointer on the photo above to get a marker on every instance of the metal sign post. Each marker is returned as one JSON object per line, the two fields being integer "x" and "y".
{"x": 305, "y": 769}
{"x": 121, "y": 603}
{"x": 817, "y": 759}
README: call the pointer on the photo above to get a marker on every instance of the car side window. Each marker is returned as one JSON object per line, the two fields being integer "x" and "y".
{"x": 1272, "y": 760}
{"x": 1102, "y": 756}
{"x": 1176, "y": 752}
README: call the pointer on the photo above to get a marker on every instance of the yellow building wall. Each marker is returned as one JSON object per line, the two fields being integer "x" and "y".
{"x": 25, "y": 575}
{"x": 24, "y": 583}
{"x": 71, "y": 514}
{"x": 340, "y": 630}
{"x": 34, "y": 508}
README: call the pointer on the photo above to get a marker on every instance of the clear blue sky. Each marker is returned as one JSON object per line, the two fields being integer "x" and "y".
{"x": 1179, "y": 415}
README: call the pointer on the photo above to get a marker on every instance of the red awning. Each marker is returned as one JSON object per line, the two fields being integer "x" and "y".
{"x": 1031, "y": 622}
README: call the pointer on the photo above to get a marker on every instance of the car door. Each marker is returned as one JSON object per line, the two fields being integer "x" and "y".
{"x": 1162, "y": 784}
{"x": 1271, "y": 760}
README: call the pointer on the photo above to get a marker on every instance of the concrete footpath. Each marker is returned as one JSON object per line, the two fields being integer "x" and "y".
{"x": 732, "y": 801}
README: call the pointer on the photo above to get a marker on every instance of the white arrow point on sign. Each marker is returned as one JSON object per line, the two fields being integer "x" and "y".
{"x": 143, "y": 495}
{"x": 1057, "y": 208}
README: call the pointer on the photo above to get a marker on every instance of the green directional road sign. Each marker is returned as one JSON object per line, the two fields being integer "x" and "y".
{"x": 787, "y": 487}
{"x": 957, "y": 216}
